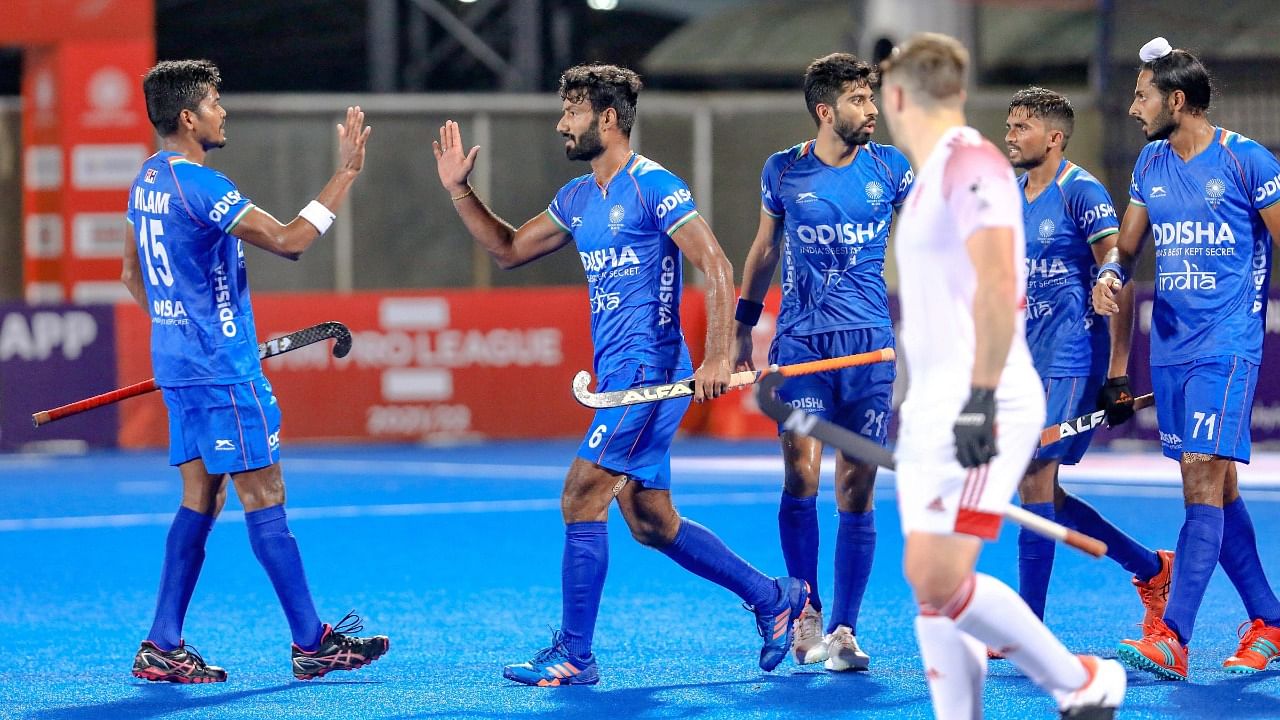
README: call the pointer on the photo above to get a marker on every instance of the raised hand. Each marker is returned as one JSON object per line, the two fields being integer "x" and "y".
{"x": 452, "y": 164}
{"x": 351, "y": 139}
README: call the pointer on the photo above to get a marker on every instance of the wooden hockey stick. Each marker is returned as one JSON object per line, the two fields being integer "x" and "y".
{"x": 868, "y": 451}
{"x": 270, "y": 348}
{"x": 684, "y": 388}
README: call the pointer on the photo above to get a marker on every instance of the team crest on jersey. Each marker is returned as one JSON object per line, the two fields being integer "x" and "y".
{"x": 1213, "y": 192}
{"x": 1046, "y": 230}
{"x": 150, "y": 177}
{"x": 616, "y": 214}
{"x": 875, "y": 192}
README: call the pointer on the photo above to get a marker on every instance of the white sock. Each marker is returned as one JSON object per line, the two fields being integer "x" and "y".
{"x": 997, "y": 616}
{"x": 955, "y": 677}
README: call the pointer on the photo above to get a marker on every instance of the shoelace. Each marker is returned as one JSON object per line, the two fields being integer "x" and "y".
{"x": 557, "y": 648}
{"x": 346, "y": 627}
{"x": 195, "y": 655}
{"x": 808, "y": 627}
{"x": 844, "y": 640}
{"x": 1249, "y": 637}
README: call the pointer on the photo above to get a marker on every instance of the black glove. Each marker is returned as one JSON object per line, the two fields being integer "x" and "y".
{"x": 975, "y": 429}
{"x": 1115, "y": 398}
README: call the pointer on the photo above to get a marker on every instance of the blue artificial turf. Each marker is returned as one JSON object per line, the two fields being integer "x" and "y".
{"x": 455, "y": 553}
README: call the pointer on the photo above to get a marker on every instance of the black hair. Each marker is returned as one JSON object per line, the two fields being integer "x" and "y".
{"x": 176, "y": 85}
{"x": 826, "y": 77}
{"x": 1049, "y": 106}
{"x": 605, "y": 86}
{"x": 1180, "y": 70}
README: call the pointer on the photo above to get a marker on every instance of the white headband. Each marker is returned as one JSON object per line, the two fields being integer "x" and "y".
{"x": 1155, "y": 50}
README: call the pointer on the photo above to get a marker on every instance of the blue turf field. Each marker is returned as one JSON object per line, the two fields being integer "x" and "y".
{"x": 455, "y": 553}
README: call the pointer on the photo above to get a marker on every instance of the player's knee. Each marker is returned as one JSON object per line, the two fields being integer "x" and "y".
{"x": 801, "y": 479}
{"x": 855, "y": 494}
{"x": 652, "y": 532}
{"x": 941, "y": 593}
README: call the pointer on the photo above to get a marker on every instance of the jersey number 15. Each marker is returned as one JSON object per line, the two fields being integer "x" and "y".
{"x": 149, "y": 232}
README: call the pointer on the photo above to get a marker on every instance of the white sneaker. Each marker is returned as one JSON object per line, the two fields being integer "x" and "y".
{"x": 1101, "y": 694}
{"x": 807, "y": 643}
{"x": 843, "y": 652}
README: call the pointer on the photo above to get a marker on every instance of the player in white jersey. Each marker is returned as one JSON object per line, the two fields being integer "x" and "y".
{"x": 960, "y": 251}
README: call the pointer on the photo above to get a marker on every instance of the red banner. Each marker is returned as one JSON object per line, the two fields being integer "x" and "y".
{"x": 85, "y": 134}
{"x": 429, "y": 365}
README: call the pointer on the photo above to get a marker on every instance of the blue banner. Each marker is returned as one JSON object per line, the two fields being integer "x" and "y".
{"x": 51, "y": 356}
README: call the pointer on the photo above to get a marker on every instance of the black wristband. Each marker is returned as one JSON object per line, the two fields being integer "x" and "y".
{"x": 982, "y": 394}
{"x": 748, "y": 312}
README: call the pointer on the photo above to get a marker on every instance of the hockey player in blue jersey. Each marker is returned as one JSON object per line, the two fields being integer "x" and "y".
{"x": 1210, "y": 199}
{"x": 184, "y": 264}
{"x": 826, "y": 208}
{"x": 631, "y": 221}
{"x": 1070, "y": 226}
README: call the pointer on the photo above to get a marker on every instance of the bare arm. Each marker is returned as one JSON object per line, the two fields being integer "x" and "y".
{"x": 290, "y": 240}
{"x": 1114, "y": 300}
{"x": 757, "y": 273}
{"x": 995, "y": 302}
{"x": 508, "y": 246}
{"x": 1271, "y": 218}
{"x": 699, "y": 244}
{"x": 131, "y": 272}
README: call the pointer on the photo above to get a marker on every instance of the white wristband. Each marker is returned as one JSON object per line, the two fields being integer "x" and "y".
{"x": 318, "y": 215}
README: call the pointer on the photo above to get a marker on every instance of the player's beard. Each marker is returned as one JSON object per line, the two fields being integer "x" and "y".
{"x": 1027, "y": 162}
{"x": 1162, "y": 127}
{"x": 586, "y": 146}
{"x": 851, "y": 134}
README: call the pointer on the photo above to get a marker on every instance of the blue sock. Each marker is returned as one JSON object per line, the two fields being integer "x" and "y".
{"x": 1035, "y": 560}
{"x": 798, "y": 527}
{"x": 183, "y": 557}
{"x": 277, "y": 551}
{"x": 855, "y": 550}
{"x": 1129, "y": 553}
{"x": 1240, "y": 559}
{"x": 699, "y": 551}
{"x": 582, "y": 572}
{"x": 1199, "y": 545}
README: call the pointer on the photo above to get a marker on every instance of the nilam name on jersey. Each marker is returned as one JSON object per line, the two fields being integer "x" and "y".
{"x": 1192, "y": 232}
{"x": 153, "y": 202}
{"x": 608, "y": 258}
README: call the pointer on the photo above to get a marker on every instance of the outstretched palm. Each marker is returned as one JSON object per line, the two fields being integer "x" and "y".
{"x": 452, "y": 164}
{"x": 352, "y": 136}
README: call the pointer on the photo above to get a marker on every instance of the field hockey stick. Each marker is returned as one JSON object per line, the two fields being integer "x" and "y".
{"x": 854, "y": 445}
{"x": 270, "y": 348}
{"x": 1087, "y": 423}
{"x": 684, "y": 388}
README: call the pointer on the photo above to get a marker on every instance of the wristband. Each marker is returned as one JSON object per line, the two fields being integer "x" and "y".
{"x": 748, "y": 312}
{"x": 456, "y": 198}
{"x": 318, "y": 215}
{"x": 1114, "y": 268}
